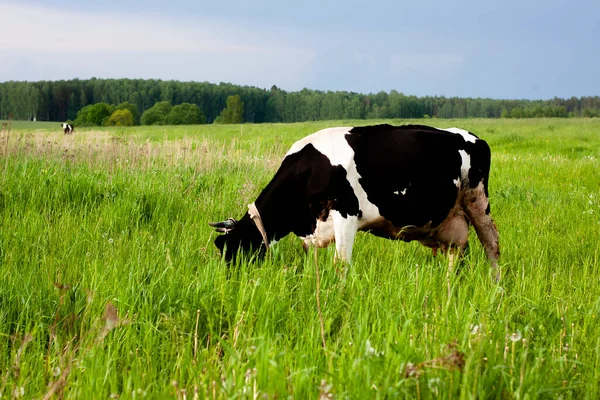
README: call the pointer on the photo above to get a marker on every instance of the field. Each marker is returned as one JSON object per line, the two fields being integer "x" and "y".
{"x": 111, "y": 287}
{"x": 31, "y": 126}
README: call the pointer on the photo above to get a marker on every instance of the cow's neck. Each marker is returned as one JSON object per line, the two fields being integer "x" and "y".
{"x": 274, "y": 219}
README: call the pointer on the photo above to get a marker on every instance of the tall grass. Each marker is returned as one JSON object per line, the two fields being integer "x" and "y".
{"x": 110, "y": 285}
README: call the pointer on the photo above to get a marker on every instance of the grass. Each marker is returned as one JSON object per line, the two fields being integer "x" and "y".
{"x": 111, "y": 285}
{"x": 35, "y": 126}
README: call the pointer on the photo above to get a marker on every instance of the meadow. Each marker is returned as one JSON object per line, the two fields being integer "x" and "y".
{"x": 111, "y": 287}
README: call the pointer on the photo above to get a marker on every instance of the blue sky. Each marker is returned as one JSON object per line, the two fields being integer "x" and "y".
{"x": 510, "y": 49}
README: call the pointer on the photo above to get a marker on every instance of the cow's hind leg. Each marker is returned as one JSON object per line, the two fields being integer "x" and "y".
{"x": 476, "y": 206}
{"x": 345, "y": 229}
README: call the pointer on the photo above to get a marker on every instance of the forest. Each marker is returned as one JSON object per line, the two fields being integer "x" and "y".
{"x": 62, "y": 100}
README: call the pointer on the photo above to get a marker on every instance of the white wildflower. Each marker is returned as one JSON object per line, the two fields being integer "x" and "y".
{"x": 475, "y": 329}
{"x": 515, "y": 336}
{"x": 19, "y": 392}
{"x": 371, "y": 351}
{"x": 434, "y": 385}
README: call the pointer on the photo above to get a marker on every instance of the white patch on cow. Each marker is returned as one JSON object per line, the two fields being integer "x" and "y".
{"x": 404, "y": 191}
{"x": 336, "y": 229}
{"x": 469, "y": 137}
{"x": 457, "y": 182}
{"x": 323, "y": 234}
{"x": 332, "y": 144}
{"x": 465, "y": 165}
{"x": 345, "y": 231}
{"x": 64, "y": 126}
{"x": 396, "y": 192}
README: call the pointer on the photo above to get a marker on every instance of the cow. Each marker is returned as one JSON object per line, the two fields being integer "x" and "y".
{"x": 409, "y": 182}
{"x": 67, "y": 128}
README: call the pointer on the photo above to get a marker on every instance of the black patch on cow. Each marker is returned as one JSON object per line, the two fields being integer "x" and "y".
{"x": 420, "y": 161}
{"x": 305, "y": 188}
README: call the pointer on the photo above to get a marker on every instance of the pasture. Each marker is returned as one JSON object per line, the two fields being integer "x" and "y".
{"x": 111, "y": 287}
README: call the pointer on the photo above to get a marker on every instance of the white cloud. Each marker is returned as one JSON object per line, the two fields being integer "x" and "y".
{"x": 38, "y": 29}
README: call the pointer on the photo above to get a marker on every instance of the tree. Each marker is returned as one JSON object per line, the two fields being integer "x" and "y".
{"x": 275, "y": 106}
{"x": 233, "y": 113}
{"x": 186, "y": 114}
{"x": 135, "y": 113}
{"x": 446, "y": 110}
{"x": 332, "y": 106}
{"x": 472, "y": 109}
{"x": 94, "y": 114}
{"x": 516, "y": 113}
{"x": 158, "y": 114}
{"x": 120, "y": 118}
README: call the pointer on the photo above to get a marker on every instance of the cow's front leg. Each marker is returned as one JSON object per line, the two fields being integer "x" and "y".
{"x": 345, "y": 231}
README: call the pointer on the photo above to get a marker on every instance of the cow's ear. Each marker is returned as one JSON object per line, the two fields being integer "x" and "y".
{"x": 224, "y": 226}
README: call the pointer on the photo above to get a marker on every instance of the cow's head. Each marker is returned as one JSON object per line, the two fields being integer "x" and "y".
{"x": 237, "y": 236}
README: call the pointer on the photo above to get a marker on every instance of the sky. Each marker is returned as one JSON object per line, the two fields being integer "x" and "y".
{"x": 517, "y": 49}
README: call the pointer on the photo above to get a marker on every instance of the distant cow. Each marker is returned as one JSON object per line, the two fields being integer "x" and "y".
{"x": 67, "y": 128}
{"x": 399, "y": 182}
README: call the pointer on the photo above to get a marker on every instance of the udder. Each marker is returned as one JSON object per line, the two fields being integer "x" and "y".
{"x": 453, "y": 231}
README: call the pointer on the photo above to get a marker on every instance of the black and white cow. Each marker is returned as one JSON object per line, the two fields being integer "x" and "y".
{"x": 399, "y": 182}
{"x": 67, "y": 128}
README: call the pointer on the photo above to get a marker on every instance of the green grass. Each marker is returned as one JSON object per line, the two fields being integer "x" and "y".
{"x": 117, "y": 218}
{"x": 35, "y": 126}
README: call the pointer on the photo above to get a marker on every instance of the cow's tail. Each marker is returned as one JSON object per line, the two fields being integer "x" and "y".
{"x": 480, "y": 167}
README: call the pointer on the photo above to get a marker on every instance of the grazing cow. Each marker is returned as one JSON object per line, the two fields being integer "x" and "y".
{"x": 67, "y": 128}
{"x": 399, "y": 182}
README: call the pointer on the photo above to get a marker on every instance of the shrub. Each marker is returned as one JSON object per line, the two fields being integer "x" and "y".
{"x": 158, "y": 114}
{"x": 186, "y": 114}
{"x": 94, "y": 114}
{"x": 135, "y": 113}
{"x": 120, "y": 118}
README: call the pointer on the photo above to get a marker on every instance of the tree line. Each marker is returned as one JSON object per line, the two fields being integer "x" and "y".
{"x": 161, "y": 113}
{"x": 63, "y": 100}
